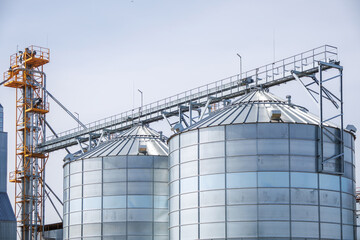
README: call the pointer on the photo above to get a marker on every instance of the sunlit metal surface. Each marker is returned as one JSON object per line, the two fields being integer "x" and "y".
{"x": 119, "y": 190}
{"x": 238, "y": 174}
{"x": 256, "y": 107}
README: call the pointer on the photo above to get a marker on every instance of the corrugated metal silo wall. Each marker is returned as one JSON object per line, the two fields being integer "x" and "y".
{"x": 3, "y": 161}
{"x": 7, "y": 230}
{"x": 259, "y": 181}
{"x": 7, "y": 217}
{"x": 119, "y": 197}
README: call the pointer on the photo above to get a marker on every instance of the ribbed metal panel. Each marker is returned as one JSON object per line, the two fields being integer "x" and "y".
{"x": 3, "y": 162}
{"x": 6, "y": 212}
{"x": 119, "y": 190}
{"x": 7, "y": 230}
{"x": 7, "y": 217}
{"x": 255, "y": 107}
{"x": 127, "y": 143}
{"x": 240, "y": 175}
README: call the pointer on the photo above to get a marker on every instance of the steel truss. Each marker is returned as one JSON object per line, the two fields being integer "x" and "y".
{"x": 196, "y": 102}
{"x": 26, "y": 75}
{"x": 318, "y": 89}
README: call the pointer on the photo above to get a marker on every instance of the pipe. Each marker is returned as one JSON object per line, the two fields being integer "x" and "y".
{"x": 52, "y": 203}
{"x": 54, "y": 194}
{"x": 53, "y": 131}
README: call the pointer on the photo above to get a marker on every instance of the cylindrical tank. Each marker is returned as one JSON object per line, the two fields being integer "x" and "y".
{"x": 251, "y": 171}
{"x": 7, "y": 216}
{"x": 119, "y": 190}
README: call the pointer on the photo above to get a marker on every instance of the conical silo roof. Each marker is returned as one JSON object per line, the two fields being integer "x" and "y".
{"x": 259, "y": 107}
{"x": 138, "y": 140}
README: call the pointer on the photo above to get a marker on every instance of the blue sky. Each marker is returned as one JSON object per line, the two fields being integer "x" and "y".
{"x": 101, "y": 51}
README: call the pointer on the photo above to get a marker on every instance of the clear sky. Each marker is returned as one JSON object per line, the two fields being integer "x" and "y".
{"x": 103, "y": 51}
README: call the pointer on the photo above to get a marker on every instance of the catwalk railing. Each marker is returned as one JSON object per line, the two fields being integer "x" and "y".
{"x": 305, "y": 63}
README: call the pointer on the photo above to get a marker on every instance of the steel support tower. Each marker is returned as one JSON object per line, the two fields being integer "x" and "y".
{"x": 26, "y": 76}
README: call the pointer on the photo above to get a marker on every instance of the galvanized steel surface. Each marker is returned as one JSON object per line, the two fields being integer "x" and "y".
{"x": 230, "y": 180}
{"x": 256, "y": 107}
{"x": 258, "y": 181}
{"x": 128, "y": 142}
{"x": 8, "y": 230}
{"x": 7, "y": 216}
{"x": 3, "y": 162}
{"x": 6, "y": 212}
{"x": 116, "y": 192}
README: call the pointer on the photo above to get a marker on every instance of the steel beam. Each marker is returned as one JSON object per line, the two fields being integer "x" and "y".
{"x": 218, "y": 91}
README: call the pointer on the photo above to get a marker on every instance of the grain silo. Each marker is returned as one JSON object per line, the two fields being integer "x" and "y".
{"x": 250, "y": 170}
{"x": 7, "y": 217}
{"x": 119, "y": 190}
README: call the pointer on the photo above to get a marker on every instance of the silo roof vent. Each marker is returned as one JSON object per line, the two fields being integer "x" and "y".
{"x": 142, "y": 148}
{"x": 275, "y": 114}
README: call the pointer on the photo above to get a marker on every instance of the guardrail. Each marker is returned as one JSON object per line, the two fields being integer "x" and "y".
{"x": 228, "y": 87}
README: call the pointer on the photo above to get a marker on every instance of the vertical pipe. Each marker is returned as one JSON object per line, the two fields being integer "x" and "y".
{"x": 33, "y": 219}
{"x": 36, "y": 197}
{"x": 342, "y": 146}
{"x": 240, "y": 65}
{"x": 36, "y": 176}
{"x": 321, "y": 157}
{"x": 43, "y": 195}
{"x": 27, "y": 196}
{"x": 42, "y": 160}
{"x": 190, "y": 114}
{"x": 342, "y": 120}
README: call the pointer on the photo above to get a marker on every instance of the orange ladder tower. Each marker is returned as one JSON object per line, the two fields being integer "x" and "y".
{"x": 27, "y": 76}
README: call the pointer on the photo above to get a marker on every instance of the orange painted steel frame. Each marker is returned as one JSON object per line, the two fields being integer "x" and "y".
{"x": 31, "y": 107}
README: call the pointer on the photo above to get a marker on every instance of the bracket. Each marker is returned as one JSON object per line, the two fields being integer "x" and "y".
{"x": 318, "y": 92}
